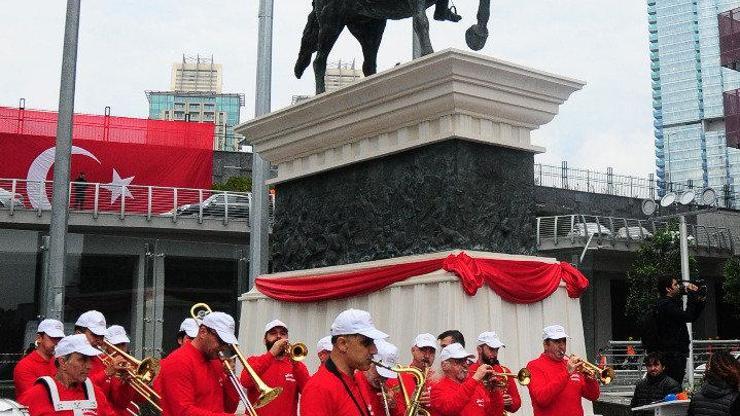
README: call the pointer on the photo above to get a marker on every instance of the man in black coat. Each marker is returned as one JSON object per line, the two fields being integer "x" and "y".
{"x": 671, "y": 321}
{"x": 655, "y": 386}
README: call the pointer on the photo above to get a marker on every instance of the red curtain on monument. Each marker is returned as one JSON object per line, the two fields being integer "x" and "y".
{"x": 126, "y": 154}
{"x": 515, "y": 281}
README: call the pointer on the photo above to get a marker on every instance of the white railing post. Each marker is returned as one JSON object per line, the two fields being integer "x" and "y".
{"x": 96, "y": 201}
{"x": 123, "y": 202}
{"x": 174, "y": 202}
{"x": 226, "y": 208}
{"x": 149, "y": 203}
{"x": 13, "y": 187}
{"x": 555, "y": 232}
{"x": 538, "y": 231}
{"x": 200, "y": 206}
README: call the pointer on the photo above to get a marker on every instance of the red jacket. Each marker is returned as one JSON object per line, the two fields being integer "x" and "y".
{"x": 290, "y": 375}
{"x": 497, "y": 395}
{"x": 556, "y": 393}
{"x": 29, "y": 369}
{"x": 193, "y": 385}
{"x": 324, "y": 395}
{"x": 469, "y": 398}
{"x": 39, "y": 402}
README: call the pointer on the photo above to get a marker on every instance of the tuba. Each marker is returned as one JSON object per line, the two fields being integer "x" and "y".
{"x": 413, "y": 404}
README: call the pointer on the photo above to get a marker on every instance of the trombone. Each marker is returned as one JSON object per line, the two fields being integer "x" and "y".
{"x": 267, "y": 393}
{"x": 140, "y": 372}
{"x": 604, "y": 375}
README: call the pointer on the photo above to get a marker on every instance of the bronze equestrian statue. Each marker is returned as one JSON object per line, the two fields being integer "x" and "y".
{"x": 366, "y": 20}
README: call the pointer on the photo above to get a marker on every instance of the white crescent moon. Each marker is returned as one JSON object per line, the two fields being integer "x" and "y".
{"x": 39, "y": 170}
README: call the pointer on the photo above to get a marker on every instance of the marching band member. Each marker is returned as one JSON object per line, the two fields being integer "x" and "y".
{"x": 450, "y": 337}
{"x": 333, "y": 390}
{"x": 504, "y": 393}
{"x": 422, "y": 357}
{"x": 119, "y": 394}
{"x": 558, "y": 383}
{"x": 92, "y": 325}
{"x": 276, "y": 369}
{"x": 456, "y": 394}
{"x": 192, "y": 381}
{"x": 323, "y": 348}
{"x": 188, "y": 331}
{"x": 380, "y": 399}
{"x": 40, "y": 362}
{"x": 70, "y": 392}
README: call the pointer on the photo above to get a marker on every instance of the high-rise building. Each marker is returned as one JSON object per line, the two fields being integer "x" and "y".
{"x": 338, "y": 75}
{"x": 688, "y": 86}
{"x": 196, "y": 95}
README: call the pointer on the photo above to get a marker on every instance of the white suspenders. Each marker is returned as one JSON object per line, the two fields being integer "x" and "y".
{"x": 76, "y": 406}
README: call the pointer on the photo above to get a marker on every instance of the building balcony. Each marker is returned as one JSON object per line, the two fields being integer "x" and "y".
{"x": 729, "y": 38}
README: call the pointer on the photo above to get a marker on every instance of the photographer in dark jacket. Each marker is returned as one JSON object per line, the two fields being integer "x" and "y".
{"x": 718, "y": 395}
{"x": 672, "y": 318}
{"x": 654, "y": 386}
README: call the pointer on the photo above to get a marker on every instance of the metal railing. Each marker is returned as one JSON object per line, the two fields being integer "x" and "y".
{"x": 579, "y": 229}
{"x": 609, "y": 183}
{"x": 626, "y": 357}
{"x": 129, "y": 200}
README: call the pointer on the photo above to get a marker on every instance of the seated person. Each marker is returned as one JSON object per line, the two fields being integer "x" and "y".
{"x": 655, "y": 386}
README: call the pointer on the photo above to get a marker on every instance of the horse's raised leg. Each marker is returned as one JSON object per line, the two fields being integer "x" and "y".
{"x": 369, "y": 33}
{"x": 421, "y": 25}
{"x": 330, "y": 26}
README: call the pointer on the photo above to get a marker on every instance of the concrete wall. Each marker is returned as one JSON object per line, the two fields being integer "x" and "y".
{"x": 228, "y": 164}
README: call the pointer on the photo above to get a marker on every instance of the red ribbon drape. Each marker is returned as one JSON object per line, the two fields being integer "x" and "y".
{"x": 516, "y": 281}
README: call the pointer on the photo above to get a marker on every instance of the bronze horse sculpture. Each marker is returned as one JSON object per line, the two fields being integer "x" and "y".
{"x": 366, "y": 21}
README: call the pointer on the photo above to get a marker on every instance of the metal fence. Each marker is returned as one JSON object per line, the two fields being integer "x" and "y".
{"x": 577, "y": 229}
{"x": 609, "y": 183}
{"x": 124, "y": 200}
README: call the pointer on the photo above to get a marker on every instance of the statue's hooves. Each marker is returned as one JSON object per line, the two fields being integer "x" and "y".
{"x": 476, "y": 38}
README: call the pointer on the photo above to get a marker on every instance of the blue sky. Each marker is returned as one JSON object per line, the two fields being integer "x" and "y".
{"x": 127, "y": 47}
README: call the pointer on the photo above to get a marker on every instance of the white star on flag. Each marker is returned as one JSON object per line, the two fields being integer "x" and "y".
{"x": 118, "y": 186}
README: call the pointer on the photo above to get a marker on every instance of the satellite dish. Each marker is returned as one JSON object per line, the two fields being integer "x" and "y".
{"x": 687, "y": 197}
{"x": 668, "y": 199}
{"x": 649, "y": 206}
{"x": 709, "y": 196}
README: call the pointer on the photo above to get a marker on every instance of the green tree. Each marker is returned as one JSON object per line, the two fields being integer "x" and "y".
{"x": 659, "y": 255}
{"x": 731, "y": 285}
{"x": 234, "y": 184}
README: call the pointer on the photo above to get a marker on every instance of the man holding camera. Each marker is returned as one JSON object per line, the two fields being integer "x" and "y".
{"x": 672, "y": 318}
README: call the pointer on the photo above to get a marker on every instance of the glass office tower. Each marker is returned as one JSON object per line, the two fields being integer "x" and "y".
{"x": 688, "y": 85}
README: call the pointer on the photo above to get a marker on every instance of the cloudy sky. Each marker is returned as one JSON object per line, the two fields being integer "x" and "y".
{"x": 127, "y": 47}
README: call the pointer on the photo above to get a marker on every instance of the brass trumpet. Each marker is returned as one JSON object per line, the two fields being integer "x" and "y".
{"x": 523, "y": 376}
{"x": 605, "y": 375}
{"x": 140, "y": 372}
{"x": 267, "y": 393}
{"x": 297, "y": 352}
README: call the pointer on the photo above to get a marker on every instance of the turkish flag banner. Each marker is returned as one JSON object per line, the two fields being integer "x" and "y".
{"x": 135, "y": 161}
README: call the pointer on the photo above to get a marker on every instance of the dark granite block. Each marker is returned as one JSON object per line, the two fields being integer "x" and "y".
{"x": 451, "y": 195}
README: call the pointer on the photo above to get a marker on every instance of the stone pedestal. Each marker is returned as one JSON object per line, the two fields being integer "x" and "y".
{"x": 429, "y": 156}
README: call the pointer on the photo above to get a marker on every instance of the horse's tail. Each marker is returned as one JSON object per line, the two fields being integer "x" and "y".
{"x": 309, "y": 44}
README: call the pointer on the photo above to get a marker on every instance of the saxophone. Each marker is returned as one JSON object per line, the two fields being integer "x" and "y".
{"x": 413, "y": 404}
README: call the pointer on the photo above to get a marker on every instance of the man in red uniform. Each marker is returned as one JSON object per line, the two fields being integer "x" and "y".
{"x": 373, "y": 383}
{"x": 276, "y": 369}
{"x": 120, "y": 394}
{"x": 188, "y": 331}
{"x": 192, "y": 381}
{"x": 40, "y": 362}
{"x": 559, "y": 383}
{"x": 333, "y": 390}
{"x": 456, "y": 394}
{"x": 69, "y": 392}
{"x": 503, "y": 390}
{"x": 323, "y": 348}
{"x": 422, "y": 357}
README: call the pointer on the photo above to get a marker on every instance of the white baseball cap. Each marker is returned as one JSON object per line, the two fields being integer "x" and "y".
{"x": 554, "y": 332}
{"x": 273, "y": 324}
{"x": 355, "y": 321}
{"x": 425, "y": 340}
{"x": 116, "y": 335}
{"x": 224, "y": 326}
{"x": 75, "y": 343}
{"x": 52, "y": 328}
{"x": 94, "y": 321}
{"x": 388, "y": 356}
{"x": 190, "y": 327}
{"x": 324, "y": 344}
{"x": 454, "y": 350}
{"x": 491, "y": 339}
